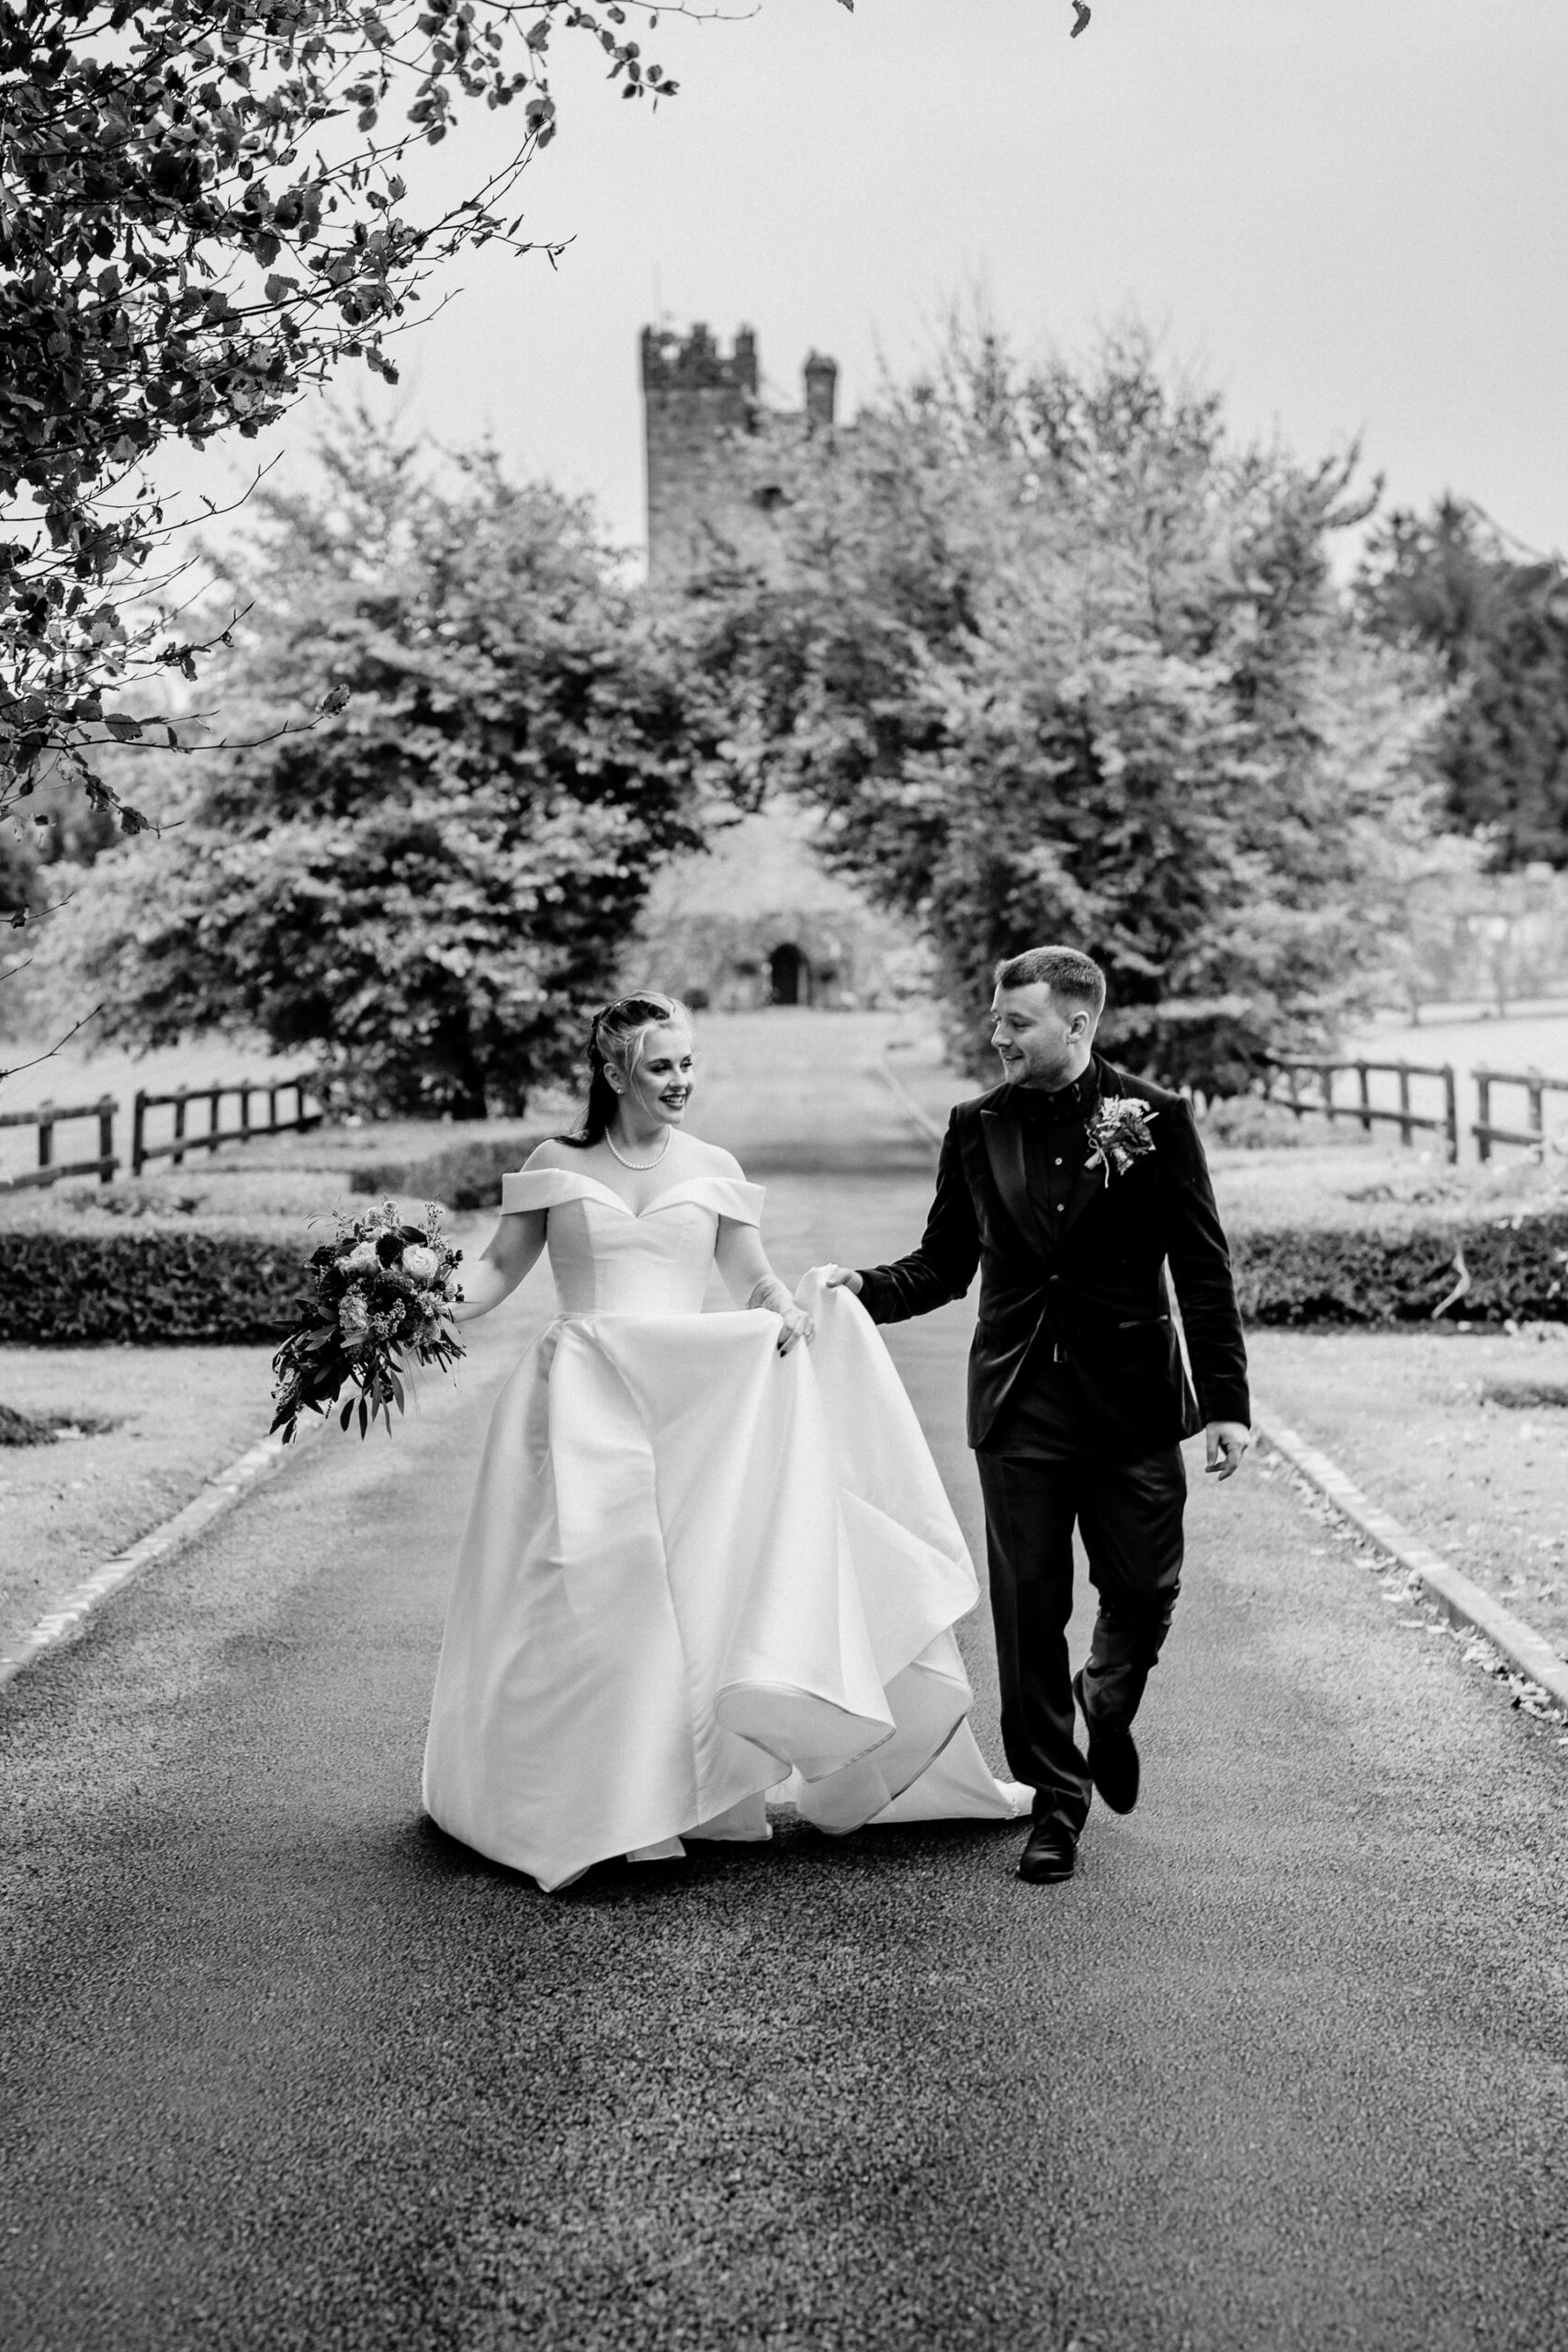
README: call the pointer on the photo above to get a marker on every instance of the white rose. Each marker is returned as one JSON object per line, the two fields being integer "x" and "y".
{"x": 421, "y": 1265}
{"x": 365, "y": 1255}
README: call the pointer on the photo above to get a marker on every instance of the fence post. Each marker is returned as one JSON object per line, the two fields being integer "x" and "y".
{"x": 1326, "y": 1080}
{"x": 108, "y": 1107}
{"x": 272, "y": 1110}
{"x": 1483, "y": 1111}
{"x": 1406, "y": 1132}
{"x": 177, "y": 1159}
{"x": 1451, "y": 1112}
{"x": 1364, "y": 1088}
{"x": 46, "y": 1135}
{"x": 214, "y": 1113}
{"x": 138, "y": 1133}
{"x": 244, "y": 1093}
{"x": 1536, "y": 1090}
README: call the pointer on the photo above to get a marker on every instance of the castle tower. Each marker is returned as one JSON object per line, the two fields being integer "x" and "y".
{"x": 701, "y": 407}
{"x": 697, "y": 404}
{"x": 821, "y": 388}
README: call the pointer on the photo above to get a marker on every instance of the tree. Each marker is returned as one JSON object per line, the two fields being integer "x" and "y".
{"x": 1060, "y": 661}
{"x": 1500, "y": 629}
{"x": 202, "y": 212}
{"x": 423, "y": 893}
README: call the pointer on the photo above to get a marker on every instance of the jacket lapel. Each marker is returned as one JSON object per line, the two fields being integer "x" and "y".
{"x": 1003, "y": 1131}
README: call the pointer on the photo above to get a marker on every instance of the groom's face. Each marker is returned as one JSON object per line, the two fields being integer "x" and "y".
{"x": 1042, "y": 1039}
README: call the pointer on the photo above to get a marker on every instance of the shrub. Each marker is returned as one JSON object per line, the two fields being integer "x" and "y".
{"x": 465, "y": 1176}
{"x": 1514, "y": 1269}
{"x": 160, "y": 1288}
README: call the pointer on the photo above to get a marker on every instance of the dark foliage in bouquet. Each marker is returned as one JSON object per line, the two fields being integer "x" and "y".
{"x": 384, "y": 1293}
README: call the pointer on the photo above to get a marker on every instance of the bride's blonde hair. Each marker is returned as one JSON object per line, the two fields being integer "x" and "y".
{"x": 615, "y": 1043}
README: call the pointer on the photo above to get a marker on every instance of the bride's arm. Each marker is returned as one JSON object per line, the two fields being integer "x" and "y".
{"x": 751, "y": 1282}
{"x": 513, "y": 1247}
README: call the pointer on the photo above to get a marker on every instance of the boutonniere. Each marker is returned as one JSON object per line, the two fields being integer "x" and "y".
{"x": 1119, "y": 1134}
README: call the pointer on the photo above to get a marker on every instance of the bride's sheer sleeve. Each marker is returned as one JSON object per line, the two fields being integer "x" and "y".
{"x": 743, "y": 1262}
{"x": 751, "y": 1282}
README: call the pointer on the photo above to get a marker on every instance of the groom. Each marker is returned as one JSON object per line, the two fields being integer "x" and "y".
{"x": 1071, "y": 1187}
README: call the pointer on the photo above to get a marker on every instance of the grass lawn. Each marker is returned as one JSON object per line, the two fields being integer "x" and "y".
{"x": 1411, "y": 1417}
{"x": 180, "y": 1415}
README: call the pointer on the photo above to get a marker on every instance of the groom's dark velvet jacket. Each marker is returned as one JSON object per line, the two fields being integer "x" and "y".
{"x": 1096, "y": 1288}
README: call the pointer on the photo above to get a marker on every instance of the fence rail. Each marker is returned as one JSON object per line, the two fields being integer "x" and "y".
{"x": 215, "y": 1135}
{"x": 46, "y": 1117}
{"x": 1291, "y": 1070}
{"x": 105, "y": 1163}
{"x": 1536, "y": 1088}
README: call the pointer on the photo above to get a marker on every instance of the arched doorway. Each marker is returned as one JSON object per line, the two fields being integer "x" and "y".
{"x": 789, "y": 974}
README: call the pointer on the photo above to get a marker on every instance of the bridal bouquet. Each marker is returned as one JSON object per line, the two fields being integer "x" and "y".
{"x": 384, "y": 1293}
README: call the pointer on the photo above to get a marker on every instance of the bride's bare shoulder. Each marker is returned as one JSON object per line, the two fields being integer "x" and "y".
{"x": 552, "y": 1153}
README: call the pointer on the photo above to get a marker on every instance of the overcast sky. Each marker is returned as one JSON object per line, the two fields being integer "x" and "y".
{"x": 1348, "y": 215}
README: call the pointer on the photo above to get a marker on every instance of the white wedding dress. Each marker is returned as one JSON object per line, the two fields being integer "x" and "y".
{"x": 696, "y": 1572}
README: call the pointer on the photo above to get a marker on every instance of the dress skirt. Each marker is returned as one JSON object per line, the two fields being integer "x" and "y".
{"x": 695, "y": 1573}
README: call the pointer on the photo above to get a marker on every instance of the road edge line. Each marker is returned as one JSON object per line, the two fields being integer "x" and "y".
{"x": 905, "y": 1101}
{"x": 218, "y": 1496}
{"x": 1465, "y": 1602}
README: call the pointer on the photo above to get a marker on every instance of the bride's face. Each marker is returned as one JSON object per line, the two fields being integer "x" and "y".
{"x": 662, "y": 1078}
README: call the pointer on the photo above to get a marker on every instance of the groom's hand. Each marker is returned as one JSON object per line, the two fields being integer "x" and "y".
{"x": 1226, "y": 1442}
{"x": 841, "y": 1278}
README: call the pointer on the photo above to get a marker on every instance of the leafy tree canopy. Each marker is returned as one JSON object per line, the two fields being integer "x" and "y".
{"x": 202, "y": 211}
{"x": 1062, "y": 661}
{"x": 424, "y": 892}
{"x": 1499, "y": 625}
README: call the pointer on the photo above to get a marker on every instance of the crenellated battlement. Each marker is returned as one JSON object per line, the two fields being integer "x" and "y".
{"x": 693, "y": 362}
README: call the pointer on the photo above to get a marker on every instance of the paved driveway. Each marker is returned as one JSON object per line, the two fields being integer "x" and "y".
{"x": 1284, "y": 2066}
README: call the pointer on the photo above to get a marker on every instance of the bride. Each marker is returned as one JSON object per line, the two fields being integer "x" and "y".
{"x": 704, "y": 1563}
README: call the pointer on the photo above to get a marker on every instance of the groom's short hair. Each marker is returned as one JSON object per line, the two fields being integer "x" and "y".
{"x": 1064, "y": 970}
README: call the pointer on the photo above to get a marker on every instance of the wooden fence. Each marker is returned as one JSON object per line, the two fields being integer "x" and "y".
{"x": 1282, "y": 1084}
{"x": 213, "y": 1136}
{"x": 46, "y": 1117}
{"x": 1536, "y": 1089}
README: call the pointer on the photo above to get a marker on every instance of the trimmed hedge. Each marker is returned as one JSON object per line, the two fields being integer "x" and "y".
{"x": 161, "y": 1287}
{"x": 465, "y": 1175}
{"x": 1517, "y": 1266}
{"x": 165, "y": 1286}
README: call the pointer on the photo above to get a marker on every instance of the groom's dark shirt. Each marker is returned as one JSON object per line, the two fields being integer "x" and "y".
{"x": 1071, "y": 1263}
{"x": 1056, "y": 1132}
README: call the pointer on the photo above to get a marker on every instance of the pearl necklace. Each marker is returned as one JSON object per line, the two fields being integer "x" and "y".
{"x": 639, "y": 1163}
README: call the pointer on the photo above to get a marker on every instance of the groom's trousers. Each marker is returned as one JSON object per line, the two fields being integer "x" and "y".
{"x": 1039, "y": 1481}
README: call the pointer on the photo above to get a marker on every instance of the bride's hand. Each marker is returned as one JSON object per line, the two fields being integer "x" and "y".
{"x": 795, "y": 1324}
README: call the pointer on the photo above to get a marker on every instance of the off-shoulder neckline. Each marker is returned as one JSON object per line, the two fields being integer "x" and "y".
{"x": 575, "y": 1177}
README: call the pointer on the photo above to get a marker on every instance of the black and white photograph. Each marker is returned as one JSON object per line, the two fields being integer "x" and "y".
{"x": 783, "y": 1176}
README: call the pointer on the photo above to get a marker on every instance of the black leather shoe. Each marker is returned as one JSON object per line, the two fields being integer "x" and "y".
{"x": 1112, "y": 1759}
{"x": 1051, "y": 1854}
